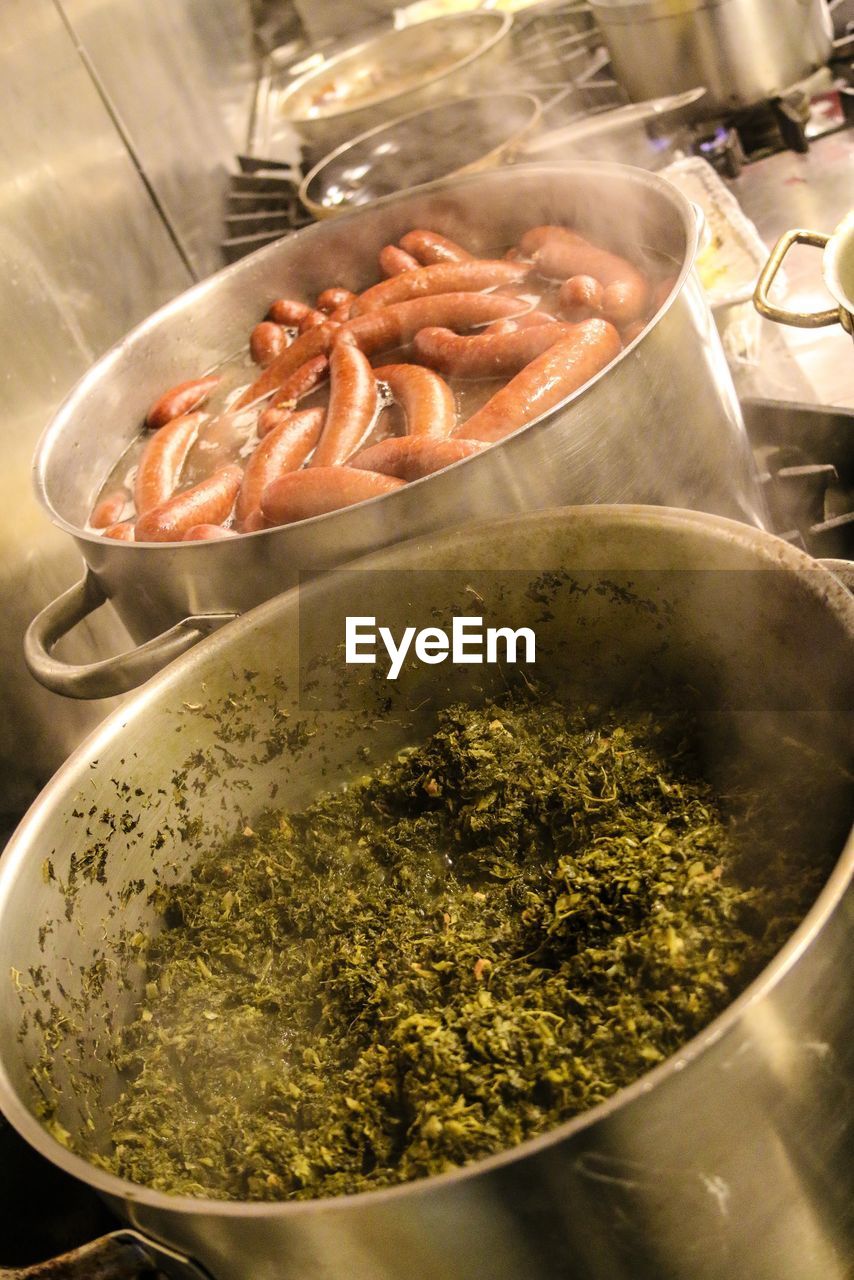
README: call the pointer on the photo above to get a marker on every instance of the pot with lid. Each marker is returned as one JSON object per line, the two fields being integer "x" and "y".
{"x": 660, "y": 424}
{"x": 742, "y": 51}
{"x": 728, "y": 1158}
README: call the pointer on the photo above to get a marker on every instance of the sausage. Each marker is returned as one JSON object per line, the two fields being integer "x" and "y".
{"x": 546, "y": 381}
{"x": 412, "y": 457}
{"x": 661, "y": 292}
{"x": 162, "y": 461}
{"x": 312, "y": 319}
{"x": 312, "y": 343}
{"x": 301, "y": 382}
{"x": 442, "y": 277}
{"x": 331, "y": 299}
{"x": 255, "y": 522}
{"x": 109, "y": 510}
{"x": 396, "y": 325}
{"x": 394, "y": 261}
{"x": 288, "y": 311}
{"x": 580, "y": 298}
{"x": 208, "y": 533}
{"x": 426, "y": 399}
{"x": 485, "y": 355}
{"x": 314, "y": 492}
{"x": 528, "y": 320}
{"x": 283, "y": 449}
{"x": 266, "y": 341}
{"x": 535, "y": 238}
{"x": 632, "y": 331}
{"x": 352, "y": 408}
{"x": 563, "y": 253}
{"x": 429, "y": 247}
{"x": 179, "y": 400}
{"x": 123, "y": 532}
{"x": 208, "y": 502}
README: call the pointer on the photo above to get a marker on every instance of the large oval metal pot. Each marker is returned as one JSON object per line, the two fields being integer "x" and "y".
{"x": 743, "y": 51}
{"x": 726, "y": 1161}
{"x": 661, "y": 424}
{"x": 392, "y": 72}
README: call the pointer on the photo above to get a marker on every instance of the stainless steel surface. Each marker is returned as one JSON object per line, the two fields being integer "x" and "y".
{"x": 623, "y": 437}
{"x": 178, "y": 79}
{"x": 390, "y": 73}
{"x": 85, "y": 256}
{"x": 450, "y": 138}
{"x": 726, "y": 1161}
{"x": 743, "y": 51}
{"x": 790, "y": 190}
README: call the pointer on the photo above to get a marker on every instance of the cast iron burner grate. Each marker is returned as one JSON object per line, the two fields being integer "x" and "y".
{"x": 805, "y": 457}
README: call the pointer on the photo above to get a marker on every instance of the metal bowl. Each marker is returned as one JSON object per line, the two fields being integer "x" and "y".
{"x": 397, "y": 71}
{"x": 727, "y": 1160}
{"x": 661, "y": 424}
{"x": 441, "y": 141}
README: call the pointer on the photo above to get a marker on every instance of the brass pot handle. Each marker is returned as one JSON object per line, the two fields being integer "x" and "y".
{"x": 763, "y": 304}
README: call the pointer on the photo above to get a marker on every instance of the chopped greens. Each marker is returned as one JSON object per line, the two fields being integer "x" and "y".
{"x": 480, "y": 939}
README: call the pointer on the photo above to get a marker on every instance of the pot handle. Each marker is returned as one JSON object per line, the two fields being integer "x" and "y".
{"x": 121, "y": 1255}
{"x": 764, "y": 305}
{"x": 112, "y": 675}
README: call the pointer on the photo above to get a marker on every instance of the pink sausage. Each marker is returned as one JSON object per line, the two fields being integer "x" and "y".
{"x": 485, "y": 355}
{"x": 180, "y": 400}
{"x": 442, "y": 277}
{"x": 413, "y": 457}
{"x": 396, "y": 325}
{"x": 563, "y": 254}
{"x": 394, "y": 261}
{"x": 528, "y": 320}
{"x": 301, "y": 382}
{"x": 208, "y": 533}
{"x": 108, "y": 511}
{"x": 314, "y": 342}
{"x": 352, "y": 405}
{"x": 160, "y": 466}
{"x": 426, "y": 399}
{"x": 316, "y": 491}
{"x": 429, "y": 247}
{"x": 123, "y": 532}
{"x": 208, "y": 502}
{"x": 331, "y": 299}
{"x": 266, "y": 341}
{"x": 312, "y": 319}
{"x": 580, "y": 298}
{"x": 288, "y": 311}
{"x": 283, "y": 449}
{"x": 542, "y": 384}
{"x": 255, "y": 522}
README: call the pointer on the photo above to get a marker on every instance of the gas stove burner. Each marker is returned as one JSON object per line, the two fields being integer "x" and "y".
{"x": 805, "y": 458}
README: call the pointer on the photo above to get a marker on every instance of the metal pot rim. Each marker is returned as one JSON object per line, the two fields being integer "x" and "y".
{"x": 64, "y": 416}
{"x": 327, "y": 211}
{"x": 775, "y": 554}
{"x": 504, "y": 25}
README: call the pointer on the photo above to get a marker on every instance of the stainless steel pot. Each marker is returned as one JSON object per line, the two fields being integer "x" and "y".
{"x": 662, "y": 424}
{"x": 392, "y": 72}
{"x": 743, "y": 51}
{"x": 728, "y": 1160}
{"x": 837, "y": 271}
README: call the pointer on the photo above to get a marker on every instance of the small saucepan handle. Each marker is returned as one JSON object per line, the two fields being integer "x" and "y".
{"x": 121, "y": 1255}
{"x": 113, "y": 675}
{"x": 761, "y": 300}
